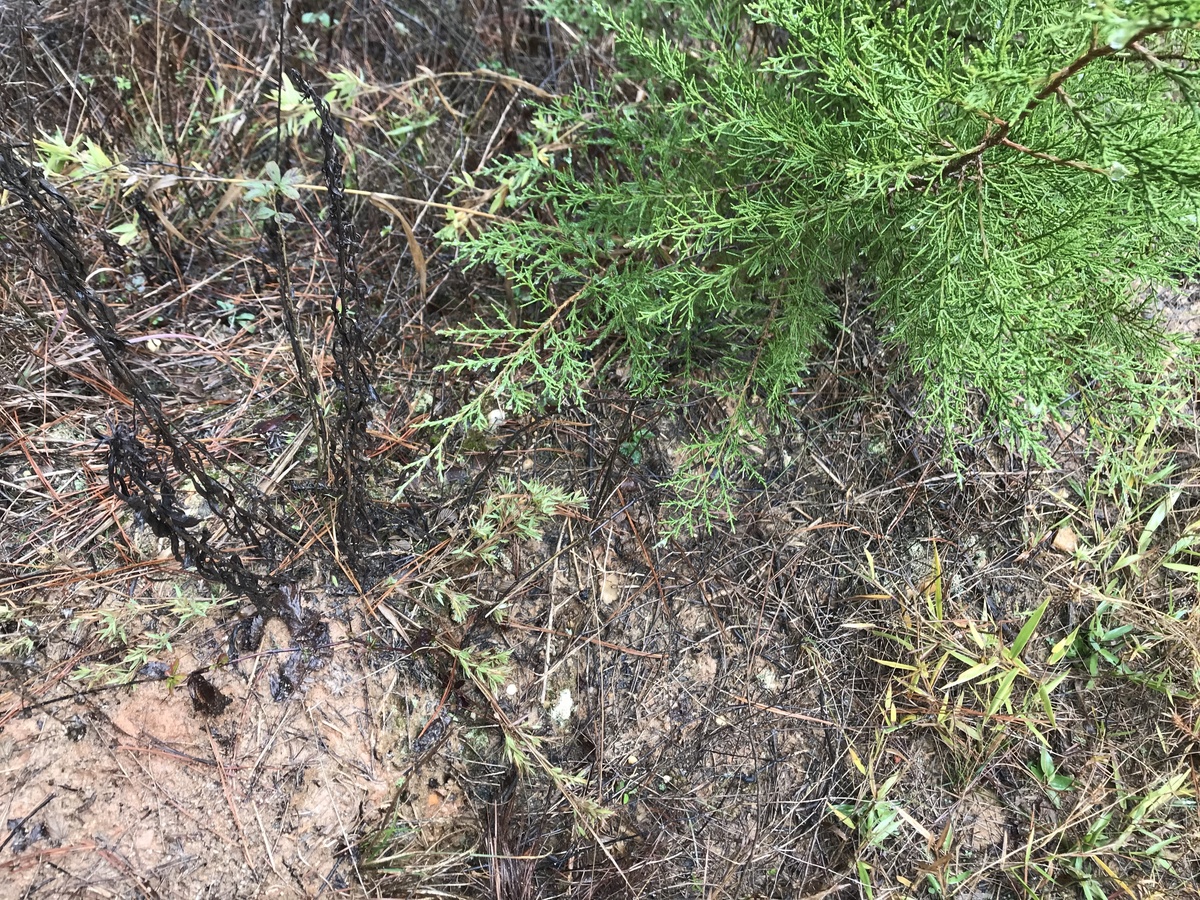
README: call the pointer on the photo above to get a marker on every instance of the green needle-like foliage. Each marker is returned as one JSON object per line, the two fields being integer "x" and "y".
{"x": 1009, "y": 176}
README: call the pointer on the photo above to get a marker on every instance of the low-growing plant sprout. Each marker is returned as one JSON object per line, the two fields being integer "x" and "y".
{"x": 1006, "y": 179}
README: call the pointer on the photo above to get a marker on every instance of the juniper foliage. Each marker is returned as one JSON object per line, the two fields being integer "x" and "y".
{"x": 1008, "y": 175}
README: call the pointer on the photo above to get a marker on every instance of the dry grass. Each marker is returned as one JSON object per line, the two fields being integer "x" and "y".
{"x": 887, "y": 680}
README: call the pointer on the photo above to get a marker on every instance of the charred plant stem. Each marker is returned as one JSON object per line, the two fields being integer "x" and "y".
{"x": 137, "y": 474}
{"x": 350, "y": 353}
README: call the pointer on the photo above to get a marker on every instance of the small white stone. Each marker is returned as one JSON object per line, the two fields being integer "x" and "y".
{"x": 768, "y": 679}
{"x": 561, "y": 713}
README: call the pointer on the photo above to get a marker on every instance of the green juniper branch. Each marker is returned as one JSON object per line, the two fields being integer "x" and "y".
{"x": 1008, "y": 177}
{"x": 1053, "y": 84}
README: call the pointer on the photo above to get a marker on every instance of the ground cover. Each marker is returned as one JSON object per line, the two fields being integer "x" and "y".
{"x": 248, "y": 650}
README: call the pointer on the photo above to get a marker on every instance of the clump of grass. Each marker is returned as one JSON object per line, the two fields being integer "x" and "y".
{"x": 142, "y": 635}
{"x": 1070, "y": 710}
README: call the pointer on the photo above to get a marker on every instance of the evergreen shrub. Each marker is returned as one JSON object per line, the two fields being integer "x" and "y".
{"x": 1009, "y": 176}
